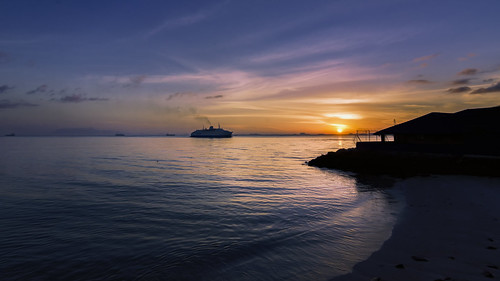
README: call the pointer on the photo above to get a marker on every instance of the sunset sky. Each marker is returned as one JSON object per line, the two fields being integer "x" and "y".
{"x": 152, "y": 67}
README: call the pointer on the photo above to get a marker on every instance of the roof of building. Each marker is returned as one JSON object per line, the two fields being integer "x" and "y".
{"x": 469, "y": 121}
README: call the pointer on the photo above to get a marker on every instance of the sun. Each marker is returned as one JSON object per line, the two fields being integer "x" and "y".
{"x": 339, "y": 127}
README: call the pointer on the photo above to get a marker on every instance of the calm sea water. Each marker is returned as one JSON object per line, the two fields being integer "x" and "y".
{"x": 145, "y": 208}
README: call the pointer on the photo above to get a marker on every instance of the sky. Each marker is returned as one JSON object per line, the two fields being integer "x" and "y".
{"x": 318, "y": 67}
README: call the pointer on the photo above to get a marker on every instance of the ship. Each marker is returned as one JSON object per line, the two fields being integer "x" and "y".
{"x": 212, "y": 133}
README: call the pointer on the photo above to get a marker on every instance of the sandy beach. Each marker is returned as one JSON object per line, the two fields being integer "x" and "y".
{"x": 448, "y": 230}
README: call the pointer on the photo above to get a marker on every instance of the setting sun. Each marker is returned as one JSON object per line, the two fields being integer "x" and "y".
{"x": 339, "y": 127}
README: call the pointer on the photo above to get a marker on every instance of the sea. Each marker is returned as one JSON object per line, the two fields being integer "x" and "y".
{"x": 180, "y": 208}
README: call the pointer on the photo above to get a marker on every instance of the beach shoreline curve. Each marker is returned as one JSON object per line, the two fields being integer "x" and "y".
{"x": 449, "y": 229}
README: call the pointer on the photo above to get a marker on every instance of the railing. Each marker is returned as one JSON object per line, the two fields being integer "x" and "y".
{"x": 368, "y": 136}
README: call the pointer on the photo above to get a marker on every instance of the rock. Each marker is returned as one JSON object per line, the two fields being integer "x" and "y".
{"x": 405, "y": 163}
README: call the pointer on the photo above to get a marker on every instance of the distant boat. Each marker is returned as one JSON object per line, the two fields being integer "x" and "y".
{"x": 170, "y": 135}
{"x": 119, "y": 135}
{"x": 212, "y": 133}
{"x": 10, "y": 135}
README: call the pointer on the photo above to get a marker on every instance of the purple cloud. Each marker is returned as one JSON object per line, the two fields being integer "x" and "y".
{"x": 214, "y": 97}
{"x": 419, "y": 81}
{"x": 470, "y": 55}
{"x": 469, "y": 71}
{"x": 97, "y": 99}
{"x": 461, "y": 82}
{"x": 73, "y": 98}
{"x": 425, "y": 58}
{"x": 135, "y": 81}
{"x": 5, "y": 88}
{"x": 491, "y": 89}
{"x": 9, "y": 104}
{"x": 40, "y": 89}
{"x": 76, "y": 98}
{"x": 178, "y": 95}
{"x": 458, "y": 90}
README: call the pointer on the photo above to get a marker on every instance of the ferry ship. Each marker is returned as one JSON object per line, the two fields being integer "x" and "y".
{"x": 212, "y": 133}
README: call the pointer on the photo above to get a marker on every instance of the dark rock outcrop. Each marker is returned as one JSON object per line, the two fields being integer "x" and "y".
{"x": 407, "y": 163}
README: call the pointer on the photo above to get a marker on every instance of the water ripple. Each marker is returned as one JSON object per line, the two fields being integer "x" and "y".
{"x": 182, "y": 209}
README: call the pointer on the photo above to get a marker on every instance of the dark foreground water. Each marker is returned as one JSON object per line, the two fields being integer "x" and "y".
{"x": 130, "y": 208}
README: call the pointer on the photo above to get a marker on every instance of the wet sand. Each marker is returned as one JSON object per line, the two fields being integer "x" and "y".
{"x": 448, "y": 230}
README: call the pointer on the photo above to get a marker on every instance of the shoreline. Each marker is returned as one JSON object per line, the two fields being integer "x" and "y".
{"x": 449, "y": 229}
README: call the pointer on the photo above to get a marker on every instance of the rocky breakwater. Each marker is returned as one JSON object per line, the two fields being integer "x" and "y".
{"x": 408, "y": 163}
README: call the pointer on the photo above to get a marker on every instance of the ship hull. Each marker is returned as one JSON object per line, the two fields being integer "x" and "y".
{"x": 211, "y": 136}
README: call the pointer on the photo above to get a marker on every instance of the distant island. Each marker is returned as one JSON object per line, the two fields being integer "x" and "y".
{"x": 464, "y": 142}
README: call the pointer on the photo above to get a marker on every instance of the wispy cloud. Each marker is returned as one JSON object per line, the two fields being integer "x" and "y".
{"x": 424, "y": 61}
{"x": 219, "y": 78}
{"x": 346, "y": 116}
{"x": 97, "y": 99}
{"x": 5, "y": 103}
{"x": 419, "y": 81}
{"x": 469, "y": 71}
{"x": 40, "y": 89}
{"x": 5, "y": 88}
{"x": 425, "y": 58}
{"x": 491, "y": 89}
{"x": 309, "y": 80}
{"x": 469, "y": 56}
{"x": 179, "y": 95}
{"x": 326, "y": 42}
{"x": 458, "y": 90}
{"x": 135, "y": 81}
{"x": 179, "y": 22}
{"x": 214, "y": 97}
{"x": 302, "y": 50}
{"x": 461, "y": 82}
{"x": 77, "y": 98}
